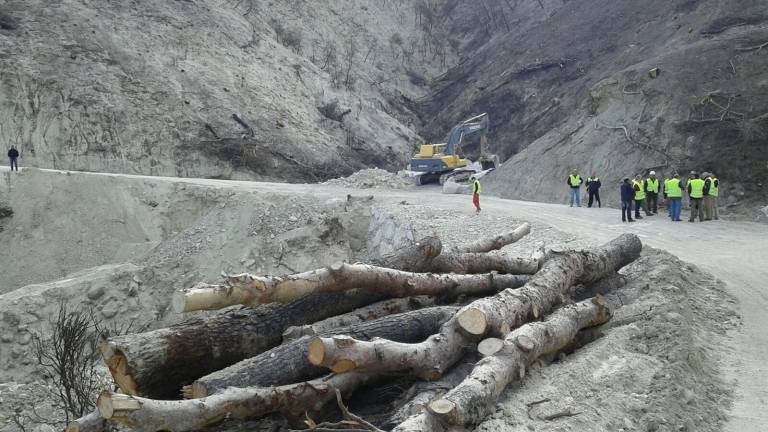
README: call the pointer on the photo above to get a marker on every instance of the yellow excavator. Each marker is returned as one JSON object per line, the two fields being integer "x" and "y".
{"x": 438, "y": 162}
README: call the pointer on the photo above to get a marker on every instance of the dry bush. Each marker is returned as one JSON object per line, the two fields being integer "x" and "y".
{"x": 69, "y": 355}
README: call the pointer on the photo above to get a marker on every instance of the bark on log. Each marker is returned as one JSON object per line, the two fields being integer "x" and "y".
{"x": 487, "y": 262}
{"x": 470, "y": 401}
{"x": 357, "y": 316}
{"x": 507, "y": 310}
{"x": 511, "y": 308}
{"x": 158, "y": 363}
{"x": 92, "y": 422}
{"x": 249, "y": 289}
{"x": 497, "y": 242}
{"x": 288, "y": 363}
{"x": 413, "y": 258}
{"x": 293, "y": 400}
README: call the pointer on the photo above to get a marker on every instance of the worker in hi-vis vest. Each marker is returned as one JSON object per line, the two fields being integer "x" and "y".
{"x": 673, "y": 192}
{"x": 712, "y": 186}
{"x": 696, "y": 195}
{"x": 639, "y": 187}
{"x": 652, "y": 194}
{"x": 476, "y": 189}
{"x": 574, "y": 182}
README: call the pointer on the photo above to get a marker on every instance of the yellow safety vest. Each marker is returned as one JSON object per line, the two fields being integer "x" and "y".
{"x": 672, "y": 187}
{"x": 477, "y": 187}
{"x": 574, "y": 180}
{"x": 697, "y": 188}
{"x": 653, "y": 185}
{"x": 639, "y": 195}
{"x": 714, "y": 190}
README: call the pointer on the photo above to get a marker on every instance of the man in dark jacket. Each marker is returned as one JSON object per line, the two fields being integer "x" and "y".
{"x": 13, "y": 154}
{"x": 627, "y": 196}
{"x": 593, "y": 189}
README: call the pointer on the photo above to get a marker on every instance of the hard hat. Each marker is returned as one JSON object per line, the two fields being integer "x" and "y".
{"x": 653, "y": 173}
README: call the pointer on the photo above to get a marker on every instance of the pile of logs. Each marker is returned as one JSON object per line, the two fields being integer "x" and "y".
{"x": 299, "y": 345}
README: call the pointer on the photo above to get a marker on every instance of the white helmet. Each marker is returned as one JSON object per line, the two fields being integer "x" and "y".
{"x": 652, "y": 173}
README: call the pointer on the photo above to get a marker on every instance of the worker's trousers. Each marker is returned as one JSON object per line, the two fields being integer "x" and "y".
{"x": 575, "y": 197}
{"x": 594, "y": 196}
{"x": 626, "y": 211}
{"x": 675, "y": 206}
{"x": 710, "y": 208}
{"x": 476, "y": 200}
{"x": 639, "y": 205}
{"x": 651, "y": 203}
{"x": 14, "y": 163}
{"x": 697, "y": 208}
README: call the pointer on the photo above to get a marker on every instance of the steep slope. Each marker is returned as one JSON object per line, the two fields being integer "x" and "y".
{"x": 562, "y": 79}
{"x": 153, "y": 87}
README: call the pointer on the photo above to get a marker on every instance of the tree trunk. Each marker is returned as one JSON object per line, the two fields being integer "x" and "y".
{"x": 288, "y": 363}
{"x": 357, "y": 316}
{"x": 93, "y": 422}
{"x": 292, "y": 400}
{"x": 470, "y": 401}
{"x": 158, "y": 363}
{"x": 453, "y": 262}
{"x": 252, "y": 290}
{"x": 497, "y": 242}
{"x": 506, "y": 310}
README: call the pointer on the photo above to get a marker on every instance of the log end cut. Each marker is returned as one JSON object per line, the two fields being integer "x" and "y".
{"x": 445, "y": 410}
{"x": 112, "y": 405}
{"x": 490, "y": 346}
{"x": 316, "y": 352}
{"x": 118, "y": 367}
{"x": 473, "y": 321}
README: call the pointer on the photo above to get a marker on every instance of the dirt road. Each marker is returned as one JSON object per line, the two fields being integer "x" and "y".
{"x": 736, "y": 252}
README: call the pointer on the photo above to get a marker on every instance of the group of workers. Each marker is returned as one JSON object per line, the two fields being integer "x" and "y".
{"x": 643, "y": 193}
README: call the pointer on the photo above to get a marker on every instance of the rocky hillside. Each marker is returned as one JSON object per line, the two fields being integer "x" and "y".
{"x": 259, "y": 89}
{"x": 567, "y": 86}
{"x": 300, "y": 91}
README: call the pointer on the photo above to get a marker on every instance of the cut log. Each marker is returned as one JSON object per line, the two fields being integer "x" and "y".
{"x": 158, "y": 363}
{"x": 293, "y": 400}
{"x": 249, "y": 289}
{"x": 93, "y": 422}
{"x": 367, "y": 313}
{"x": 487, "y": 262}
{"x": 288, "y": 363}
{"x": 413, "y": 258}
{"x": 422, "y": 393}
{"x": 470, "y": 401}
{"x": 508, "y": 310}
{"x": 512, "y": 308}
{"x": 497, "y": 242}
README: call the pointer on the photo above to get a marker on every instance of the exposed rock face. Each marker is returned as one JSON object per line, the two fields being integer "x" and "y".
{"x": 251, "y": 89}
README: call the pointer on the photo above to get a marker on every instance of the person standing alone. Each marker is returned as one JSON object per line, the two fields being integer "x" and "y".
{"x": 476, "y": 189}
{"x": 574, "y": 182}
{"x": 674, "y": 194}
{"x": 696, "y": 194}
{"x": 13, "y": 155}
{"x": 652, "y": 194}
{"x": 627, "y": 196}
{"x": 593, "y": 189}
